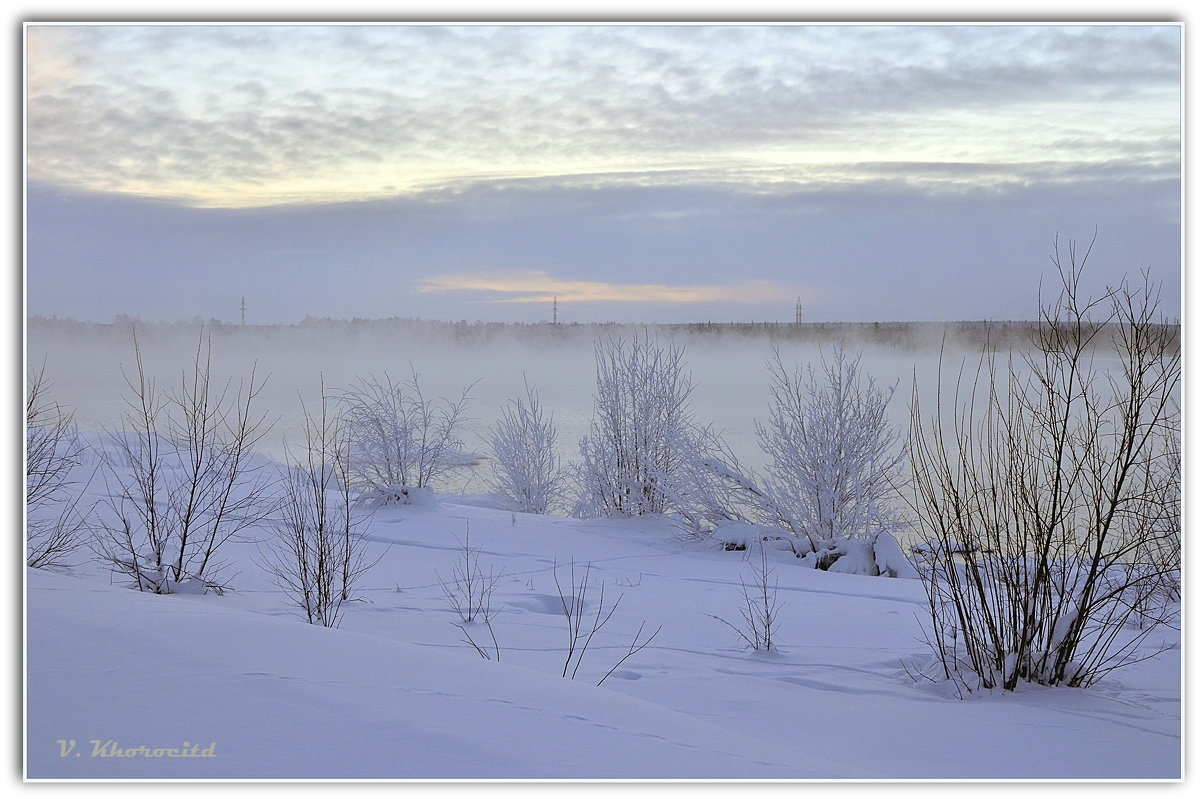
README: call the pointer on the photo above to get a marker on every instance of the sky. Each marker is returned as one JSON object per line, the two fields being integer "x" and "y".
{"x": 646, "y": 173}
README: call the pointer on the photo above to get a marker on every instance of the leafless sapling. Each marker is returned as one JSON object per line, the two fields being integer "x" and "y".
{"x": 468, "y": 592}
{"x": 181, "y": 476}
{"x": 318, "y": 553}
{"x": 760, "y": 607}
{"x": 579, "y": 631}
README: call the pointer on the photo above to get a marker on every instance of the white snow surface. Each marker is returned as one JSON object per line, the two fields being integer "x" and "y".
{"x": 396, "y": 693}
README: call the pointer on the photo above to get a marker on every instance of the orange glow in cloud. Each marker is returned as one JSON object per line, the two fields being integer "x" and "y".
{"x": 540, "y": 286}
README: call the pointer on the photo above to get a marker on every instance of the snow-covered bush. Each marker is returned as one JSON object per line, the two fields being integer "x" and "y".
{"x": 890, "y": 559}
{"x": 54, "y": 528}
{"x": 641, "y": 412}
{"x": 398, "y": 436}
{"x": 644, "y": 452}
{"x": 181, "y": 477}
{"x": 412, "y": 496}
{"x": 1053, "y": 511}
{"x": 527, "y": 473}
{"x": 835, "y": 460}
{"x": 707, "y": 487}
{"x": 317, "y": 553}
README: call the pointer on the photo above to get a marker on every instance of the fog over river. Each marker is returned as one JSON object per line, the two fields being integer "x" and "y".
{"x": 728, "y": 364}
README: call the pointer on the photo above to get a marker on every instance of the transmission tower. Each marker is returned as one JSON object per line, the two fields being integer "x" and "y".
{"x": 243, "y": 311}
{"x": 799, "y": 309}
{"x": 556, "y": 309}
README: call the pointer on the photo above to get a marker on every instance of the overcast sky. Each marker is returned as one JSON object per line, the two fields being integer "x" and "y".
{"x": 636, "y": 173}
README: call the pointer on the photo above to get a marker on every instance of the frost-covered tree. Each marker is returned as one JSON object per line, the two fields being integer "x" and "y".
{"x": 835, "y": 460}
{"x": 646, "y": 453}
{"x": 643, "y": 441}
{"x": 527, "y": 472}
{"x": 642, "y": 409}
{"x": 400, "y": 438}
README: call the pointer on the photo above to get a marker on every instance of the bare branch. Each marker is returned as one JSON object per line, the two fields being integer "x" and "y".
{"x": 318, "y": 555}
{"x": 1054, "y": 502}
{"x": 55, "y": 524}
{"x": 181, "y": 476}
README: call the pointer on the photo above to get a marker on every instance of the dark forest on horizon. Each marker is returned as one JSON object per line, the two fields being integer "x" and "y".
{"x": 900, "y": 335}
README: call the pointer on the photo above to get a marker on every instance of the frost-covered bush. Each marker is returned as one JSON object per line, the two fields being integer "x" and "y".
{"x": 835, "y": 460}
{"x": 398, "y": 436}
{"x": 708, "y": 488}
{"x": 527, "y": 473}
{"x": 642, "y": 411}
{"x": 644, "y": 453}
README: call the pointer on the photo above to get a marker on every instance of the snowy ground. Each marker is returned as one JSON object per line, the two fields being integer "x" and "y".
{"x": 396, "y": 693}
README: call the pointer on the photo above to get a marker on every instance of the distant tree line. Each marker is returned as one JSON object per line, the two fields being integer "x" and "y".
{"x": 908, "y": 336}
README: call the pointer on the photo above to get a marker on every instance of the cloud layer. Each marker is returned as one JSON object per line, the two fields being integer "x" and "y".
{"x": 253, "y": 115}
{"x": 636, "y": 172}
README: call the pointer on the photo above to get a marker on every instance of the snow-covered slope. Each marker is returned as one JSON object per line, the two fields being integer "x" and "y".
{"x": 396, "y": 693}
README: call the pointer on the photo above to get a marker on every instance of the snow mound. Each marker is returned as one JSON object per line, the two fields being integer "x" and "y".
{"x": 412, "y": 496}
{"x": 890, "y": 559}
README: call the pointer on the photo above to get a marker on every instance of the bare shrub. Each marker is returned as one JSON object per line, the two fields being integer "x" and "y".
{"x": 317, "y": 554}
{"x": 526, "y": 471}
{"x": 579, "y": 632}
{"x": 181, "y": 477}
{"x": 468, "y": 592}
{"x": 1053, "y": 510}
{"x": 398, "y": 436}
{"x": 55, "y": 527}
{"x": 760, "y": 607}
